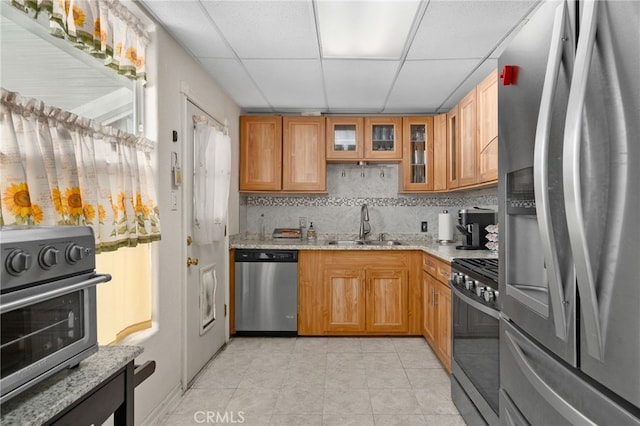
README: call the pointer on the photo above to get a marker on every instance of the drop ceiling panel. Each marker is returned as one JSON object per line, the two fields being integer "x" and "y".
{"x": 423, "y": 86}
{"x": 189, "y": 23}
{"x": 465, "y": 29}
{"x": 289, "y": 83}
{"x": 358, "y": 85}
{"x": 232, "y": 77}
{"x": 267, "y": 29}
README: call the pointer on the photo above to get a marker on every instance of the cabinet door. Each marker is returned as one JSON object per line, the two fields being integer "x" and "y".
{"x": 383, "y": 138}
{"x": 387, "y": 301}
{"x": 260, "y": 153}
{"x": 428, "y": 308}
{"x": 417, "y": 159}
{"x": 440, "y": 152}
{"x": 303, "y": 154}
{"x": 453, "y": 144}
{"x": 467, "y": 157}
{"x": 344, "y": 291}
{"x": 443, "y": 332}
{"x": 345, "y": 138}
{"x": 487, "y": 92}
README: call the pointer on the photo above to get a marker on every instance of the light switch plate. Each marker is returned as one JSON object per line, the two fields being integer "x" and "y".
{"x": 303, "y": 222}
{"x": 423, "y": 226}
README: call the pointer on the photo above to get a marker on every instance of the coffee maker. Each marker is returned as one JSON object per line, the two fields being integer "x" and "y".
{"x": 472, "y": 224}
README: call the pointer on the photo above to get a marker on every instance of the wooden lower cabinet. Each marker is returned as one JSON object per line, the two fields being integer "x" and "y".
{"x": 358, "y": 293}
{"x": 436, "y": 306}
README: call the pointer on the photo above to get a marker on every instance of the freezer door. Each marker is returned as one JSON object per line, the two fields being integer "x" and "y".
{"x": 542, "y": 390}
{"x": 601, "y": 180}
{"x": 537, "y": 282}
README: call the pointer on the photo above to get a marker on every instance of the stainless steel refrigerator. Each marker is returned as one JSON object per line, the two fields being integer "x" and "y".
{"x": 569, "y": 209}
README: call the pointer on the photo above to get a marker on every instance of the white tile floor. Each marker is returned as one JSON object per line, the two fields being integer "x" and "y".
{"x": 320, "y": 381}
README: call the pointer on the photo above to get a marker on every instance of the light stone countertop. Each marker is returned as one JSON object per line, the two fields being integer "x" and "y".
{"x": 446, "y": 252}
{"x": 53, "y": 395}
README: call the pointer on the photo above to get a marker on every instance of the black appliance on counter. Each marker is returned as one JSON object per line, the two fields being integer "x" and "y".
{"x": 47, "y": 303}
{"x": 472, "y": 223}
{"x": 475, "y": 332}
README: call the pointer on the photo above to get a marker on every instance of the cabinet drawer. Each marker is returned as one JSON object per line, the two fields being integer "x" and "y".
{"x": 430, "y": 265}
{"x": 444, "y": 272}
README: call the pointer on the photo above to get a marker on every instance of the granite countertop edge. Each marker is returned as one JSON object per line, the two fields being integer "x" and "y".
{"x": 445, "y": 252}
{"x": 53, "y": 395}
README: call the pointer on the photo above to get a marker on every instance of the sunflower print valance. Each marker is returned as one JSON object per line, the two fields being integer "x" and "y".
{"x": 105, "y": 29}
{"x": 57, "y": 169}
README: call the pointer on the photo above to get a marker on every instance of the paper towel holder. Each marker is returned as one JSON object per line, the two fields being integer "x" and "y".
{"x": 445, "y": 241}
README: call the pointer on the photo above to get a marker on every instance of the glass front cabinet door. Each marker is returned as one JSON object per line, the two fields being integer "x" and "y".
{"x": 345, "y": 138}
{"x": 383, "y": 138}
{"x": 417, "y": 159}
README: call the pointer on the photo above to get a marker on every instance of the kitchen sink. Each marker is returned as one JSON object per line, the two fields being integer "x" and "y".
{"x": 364, "y": 243}
{"x": 345, "y": 242}
{"x": 383, "y": 243}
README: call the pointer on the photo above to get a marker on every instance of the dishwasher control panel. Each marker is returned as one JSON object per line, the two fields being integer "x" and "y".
{"x": 248, "y": 255}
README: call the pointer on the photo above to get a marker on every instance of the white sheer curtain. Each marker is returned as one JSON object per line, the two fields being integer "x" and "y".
{"x": 211, "y": 180}
{"x": 61, "y": 169}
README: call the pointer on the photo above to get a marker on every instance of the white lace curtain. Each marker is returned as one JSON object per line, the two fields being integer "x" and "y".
{"x": 61, "y": 169}
{"x": 105, "y": 29}
{"x": 211, "y": 180}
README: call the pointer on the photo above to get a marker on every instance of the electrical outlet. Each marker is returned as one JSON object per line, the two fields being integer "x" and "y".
{"x": 303, "y": 222}
{"x": 423, "y": 226}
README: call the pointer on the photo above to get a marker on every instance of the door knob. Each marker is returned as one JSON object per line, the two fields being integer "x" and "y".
{"x": 192, "y": 262}
{"x": 189, "y": 240}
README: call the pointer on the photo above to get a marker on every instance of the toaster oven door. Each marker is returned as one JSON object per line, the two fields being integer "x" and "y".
{"x": 45, "y": 329}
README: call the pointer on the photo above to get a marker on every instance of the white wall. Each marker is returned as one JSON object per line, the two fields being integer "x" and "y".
{"x": 175, "y": 69}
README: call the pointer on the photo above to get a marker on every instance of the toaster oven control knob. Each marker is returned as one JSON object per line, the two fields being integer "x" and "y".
{"x": 75, "y": 253}
{"x": 18, "y": 261}
{"x": 49, "y": 257}
{"x": 488, "y": 295}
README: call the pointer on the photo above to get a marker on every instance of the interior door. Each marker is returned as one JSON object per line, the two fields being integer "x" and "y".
{"x": 206, "y": 284}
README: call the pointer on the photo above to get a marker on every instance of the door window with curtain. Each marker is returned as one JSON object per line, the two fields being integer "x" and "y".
{"x": 83, "y": 141}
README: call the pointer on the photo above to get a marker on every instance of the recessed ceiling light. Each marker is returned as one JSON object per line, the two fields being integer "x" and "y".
{"x": 364, "y": 29}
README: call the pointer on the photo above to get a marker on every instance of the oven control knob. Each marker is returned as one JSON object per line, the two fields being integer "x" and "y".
{"x": 488, "y": 295}
{"x": 75, "y": 253}
{"x": 48, "y": 257}
{"x": 480, "y": 290}
{"x": 18, "y": 261}
{"x": 469, "y": 284}
{"x": 458, "y": 278}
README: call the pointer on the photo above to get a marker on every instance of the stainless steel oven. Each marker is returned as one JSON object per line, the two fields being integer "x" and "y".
{"x": 47, "y": 303}
{"x": 475, "y": 362}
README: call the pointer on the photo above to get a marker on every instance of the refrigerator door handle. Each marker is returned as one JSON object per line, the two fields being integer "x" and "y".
{"x": 569, "y": 412}
{"x": 572, "y": 184}
{"x": 561, "y": 34}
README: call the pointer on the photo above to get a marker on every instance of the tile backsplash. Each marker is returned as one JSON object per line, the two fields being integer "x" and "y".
{"x": 349, "y": 187}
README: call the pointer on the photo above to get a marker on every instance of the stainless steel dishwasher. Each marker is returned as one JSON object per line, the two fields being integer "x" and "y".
{"x": 266, "y": 292}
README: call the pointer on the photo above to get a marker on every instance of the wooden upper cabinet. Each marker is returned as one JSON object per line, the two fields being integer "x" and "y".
{"x": 467, "y": 152}
{"x": 303, "y": 154}
{"x": 260, "y": 153}
{"x": 453, "y": 145}
{"x": 383, "y": 138}
{"x": 487, "y": 95}
{"x": 417, "y": 159}
{"x": 440, "y": 152}
{"x": 345, "y": 138}
{"x": 387, "y": 301}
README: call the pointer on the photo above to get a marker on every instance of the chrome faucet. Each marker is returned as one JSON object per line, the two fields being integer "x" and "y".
{"x": 365, "y": 228}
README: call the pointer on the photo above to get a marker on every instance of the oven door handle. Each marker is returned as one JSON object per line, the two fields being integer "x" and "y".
{"x": 31, "y": 300}
{"x": 475, "y": 304}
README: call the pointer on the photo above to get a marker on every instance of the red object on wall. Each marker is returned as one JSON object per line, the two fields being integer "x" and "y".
{"x": 509, "y": 75}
